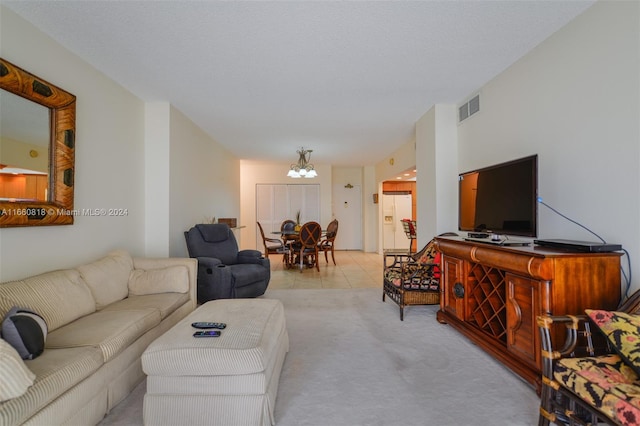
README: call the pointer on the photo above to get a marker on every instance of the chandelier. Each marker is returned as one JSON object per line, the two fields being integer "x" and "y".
{"x": 304, "y": 168}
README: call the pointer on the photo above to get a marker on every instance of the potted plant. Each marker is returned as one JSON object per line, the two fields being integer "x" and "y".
{"x": 298, "y": 225}
{"x": 209, "y": 219}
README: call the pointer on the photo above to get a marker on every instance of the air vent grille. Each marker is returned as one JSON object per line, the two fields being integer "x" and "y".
{"x": 463, "y": 112}
{"x": 474, "y": 105}
{"x": 469, "y": 108}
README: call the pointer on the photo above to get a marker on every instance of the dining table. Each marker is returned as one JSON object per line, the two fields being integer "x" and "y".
{"x": 289, "y": 238}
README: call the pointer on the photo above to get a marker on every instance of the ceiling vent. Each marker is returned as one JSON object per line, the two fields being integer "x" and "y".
{"x": 469, "y": 108}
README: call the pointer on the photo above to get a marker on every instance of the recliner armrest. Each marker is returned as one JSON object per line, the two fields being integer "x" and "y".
{"x": 214, "y": 280}
{"x": 208, "y": 261}
{"x": 249, "y": 256}
{"x": 254, "y": 257}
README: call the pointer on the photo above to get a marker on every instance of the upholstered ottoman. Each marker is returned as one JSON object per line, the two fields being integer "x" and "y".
{"x": 226, "y": 380}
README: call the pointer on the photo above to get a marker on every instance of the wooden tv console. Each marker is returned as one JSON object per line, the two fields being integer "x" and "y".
{"x": 493, "y": 294}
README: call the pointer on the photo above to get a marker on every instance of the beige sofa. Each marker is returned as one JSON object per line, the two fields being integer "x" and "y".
{"x": 100, "y": 317}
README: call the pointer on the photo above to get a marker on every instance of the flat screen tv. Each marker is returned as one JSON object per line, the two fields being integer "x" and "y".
{"x": 500, "y": 198}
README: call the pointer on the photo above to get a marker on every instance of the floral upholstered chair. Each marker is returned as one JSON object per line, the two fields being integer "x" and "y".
{"x": 592, "y": 377}
{"x": 412, "y": 279}
{"x": 418, "y": 271}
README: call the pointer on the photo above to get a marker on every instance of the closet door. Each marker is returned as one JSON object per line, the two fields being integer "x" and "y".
{"x": 278, "y": 202}
{"x": 280, "y": 205}
{"x": 306, "y": 199}
{"x": 268, "y": 212}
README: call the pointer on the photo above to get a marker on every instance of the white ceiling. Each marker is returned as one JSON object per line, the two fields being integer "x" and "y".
{"x": 346, "y": 79}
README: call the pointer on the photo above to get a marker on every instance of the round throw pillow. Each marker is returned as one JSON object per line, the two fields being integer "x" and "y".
{"x": 26, "y": 331}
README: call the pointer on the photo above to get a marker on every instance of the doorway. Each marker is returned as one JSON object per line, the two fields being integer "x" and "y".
{"x": 395, "y": 207}
{"x": 392, "y": 212}
{"x": 347, "y": 209}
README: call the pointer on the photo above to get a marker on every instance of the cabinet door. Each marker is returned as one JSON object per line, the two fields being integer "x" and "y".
{"x": 454, "y": 287}
{"x": 523, "y": 305}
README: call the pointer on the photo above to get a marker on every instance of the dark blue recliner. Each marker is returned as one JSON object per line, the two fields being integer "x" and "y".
{"x": 224, "y": 272}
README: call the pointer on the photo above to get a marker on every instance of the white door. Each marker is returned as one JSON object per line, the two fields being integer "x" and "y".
{"x": 347, "y": 208}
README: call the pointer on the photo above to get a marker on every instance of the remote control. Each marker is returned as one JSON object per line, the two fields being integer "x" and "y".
{"x": 208, "y": 333}
{"x": 208, "y": 325}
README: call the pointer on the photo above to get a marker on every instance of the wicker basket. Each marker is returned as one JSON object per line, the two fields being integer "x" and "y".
{"x": 420, "y": 297}
{"x": 405, "y": 297}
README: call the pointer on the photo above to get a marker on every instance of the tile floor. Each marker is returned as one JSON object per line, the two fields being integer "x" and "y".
{"x": 353, "y": 269}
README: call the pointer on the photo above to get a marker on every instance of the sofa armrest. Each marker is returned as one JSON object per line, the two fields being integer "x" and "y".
{"x": 160, "y": 263}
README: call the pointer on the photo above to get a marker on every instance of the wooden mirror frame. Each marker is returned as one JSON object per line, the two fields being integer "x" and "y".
{"x": 58, "y": 209}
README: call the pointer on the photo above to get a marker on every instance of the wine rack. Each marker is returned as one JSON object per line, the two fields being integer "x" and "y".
{"x": 486, "y": 300}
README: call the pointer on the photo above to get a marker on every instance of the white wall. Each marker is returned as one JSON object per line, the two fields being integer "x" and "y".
{"x": 575, "y": 101}
{"x": 204, "y": 181}
{"x": 370, "y": 209}
{"x": 148, "y": 159}
{"x": 157, "y": 140}
{"x": 398, "y": 161}
{"x": 109, "y": 160}
{"x": 437, "y": 172}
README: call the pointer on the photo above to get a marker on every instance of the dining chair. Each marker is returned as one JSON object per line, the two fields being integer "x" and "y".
{"x": 288, "y": 226}
{"x": 272, "y": 245}
{"x": 307, "y": 245}
{"x": 410, "y": 230}
{"x": 326, "y": 244}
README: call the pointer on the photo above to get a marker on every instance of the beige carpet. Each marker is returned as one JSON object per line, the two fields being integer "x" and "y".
{"x": 353, "y": 362}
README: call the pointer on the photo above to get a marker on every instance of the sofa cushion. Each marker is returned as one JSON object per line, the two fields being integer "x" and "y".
{"x": 58, "y": 296}
{"x": 165, "y": 303}
{"x": 15, "y": 377}
{"x": 623, "y": 333}
{"x": 56, "y": 371}
{"x": 605, "y": 382}
{"x": 111, "y": 331}
{"x": 173, "y": 279}
{"x": 108, "y": 277}
{"x": 26, "y": 331}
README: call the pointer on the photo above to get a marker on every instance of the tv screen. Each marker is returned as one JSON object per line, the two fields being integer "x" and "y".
{"x": 500, "y": 198}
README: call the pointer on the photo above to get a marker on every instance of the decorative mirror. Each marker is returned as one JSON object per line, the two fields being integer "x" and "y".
{"x": 37, "y": 150}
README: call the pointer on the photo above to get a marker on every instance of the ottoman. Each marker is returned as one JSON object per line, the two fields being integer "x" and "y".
{"x": 227, "y": 380}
